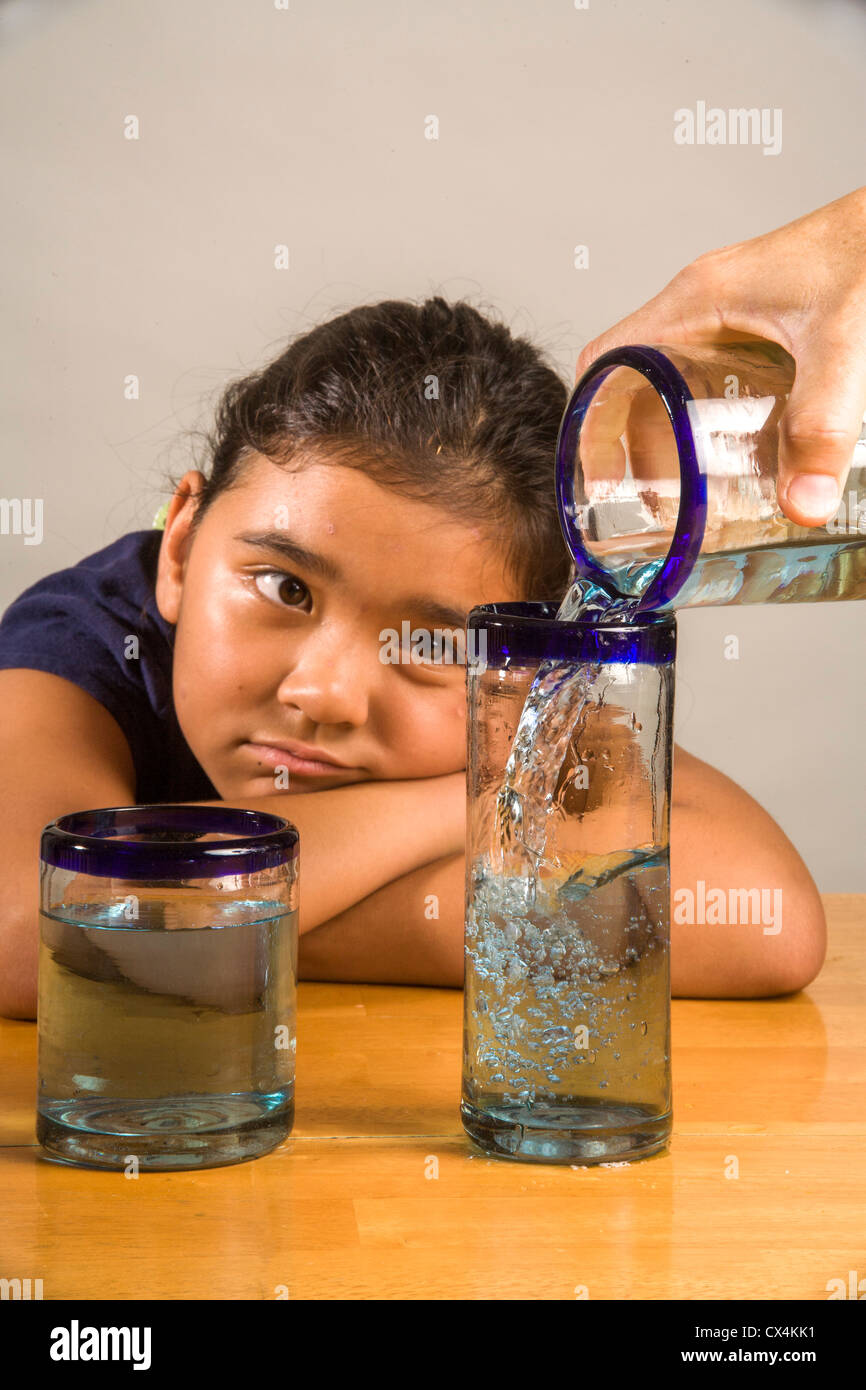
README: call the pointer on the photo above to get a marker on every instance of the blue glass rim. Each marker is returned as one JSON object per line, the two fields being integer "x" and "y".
{"x": 530, "y": 632}
{"x": 91, "y": 842}
{"x": 672, "y": 388}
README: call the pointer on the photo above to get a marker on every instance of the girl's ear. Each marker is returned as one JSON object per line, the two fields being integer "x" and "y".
{"x": 176, "y": 540}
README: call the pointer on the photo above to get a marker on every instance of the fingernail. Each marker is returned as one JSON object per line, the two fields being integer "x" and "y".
{"x": 814, "y": 494}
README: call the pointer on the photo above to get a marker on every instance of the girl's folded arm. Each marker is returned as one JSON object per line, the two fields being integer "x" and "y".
{"x": 722, "y": 839}
{"x": 358, "y": 838}
{"x": 61, "y": 751}
{"x": 382, "y": 867}
{"x": 411, "y": 931}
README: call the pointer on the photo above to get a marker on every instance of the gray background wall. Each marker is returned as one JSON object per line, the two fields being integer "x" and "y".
{"x": 306, "y": 126}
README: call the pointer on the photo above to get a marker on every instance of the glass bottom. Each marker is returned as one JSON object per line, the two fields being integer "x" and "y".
{"x": 577, "y": 1133}
{"x": 200, "y": 1131}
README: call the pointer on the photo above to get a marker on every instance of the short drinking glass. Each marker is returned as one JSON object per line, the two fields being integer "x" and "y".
{"x": 167, "y": 982}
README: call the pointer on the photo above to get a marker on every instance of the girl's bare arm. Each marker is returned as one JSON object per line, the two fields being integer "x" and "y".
{"x": 719, "y": 834}
{"x": 357, "y": 839}
{"x": 61, "y": 751}
{"x": 722, "y": 836}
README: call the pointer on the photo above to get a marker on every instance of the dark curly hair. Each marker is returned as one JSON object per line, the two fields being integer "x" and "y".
{"x": 433, "y": 400}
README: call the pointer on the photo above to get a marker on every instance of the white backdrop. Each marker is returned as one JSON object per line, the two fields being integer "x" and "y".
{"x": 305, "y": 126}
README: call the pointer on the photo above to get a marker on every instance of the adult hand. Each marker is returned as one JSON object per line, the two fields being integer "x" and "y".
{"x": 803, "y": 286}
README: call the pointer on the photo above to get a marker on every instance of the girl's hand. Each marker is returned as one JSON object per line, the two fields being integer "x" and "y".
{"x": 803, "y": 286}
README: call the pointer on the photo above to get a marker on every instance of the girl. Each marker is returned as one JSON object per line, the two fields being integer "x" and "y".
{"x": 393, "y": 465}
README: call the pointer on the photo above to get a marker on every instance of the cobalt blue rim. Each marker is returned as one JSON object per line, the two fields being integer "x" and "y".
{"x": 688, "y": 535}
{"x": 91, "y": 842}
{"x": 531, "y": 632}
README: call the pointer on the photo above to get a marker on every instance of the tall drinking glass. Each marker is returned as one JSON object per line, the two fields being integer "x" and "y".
{"x": 566, "y": 1045}
{"x": 167, "y": 982}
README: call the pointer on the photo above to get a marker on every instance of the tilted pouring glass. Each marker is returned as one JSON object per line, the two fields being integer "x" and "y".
{"x": 666, "y": 471}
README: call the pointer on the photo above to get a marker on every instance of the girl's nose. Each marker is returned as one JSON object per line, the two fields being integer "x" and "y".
{"x": 331, "y": 679}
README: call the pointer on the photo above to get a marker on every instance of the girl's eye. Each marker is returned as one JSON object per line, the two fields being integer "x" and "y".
{"x": 430, "y": 648}
{"x": 281, "y": 587}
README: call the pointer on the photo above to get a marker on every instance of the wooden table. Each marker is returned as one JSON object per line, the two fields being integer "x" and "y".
{"x": 378, "y": 1195}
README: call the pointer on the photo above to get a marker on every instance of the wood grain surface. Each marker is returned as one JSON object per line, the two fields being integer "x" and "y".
{"x": 377, "y": 1194}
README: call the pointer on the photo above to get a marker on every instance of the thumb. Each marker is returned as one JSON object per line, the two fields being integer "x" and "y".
{"x": 819, "y": 428}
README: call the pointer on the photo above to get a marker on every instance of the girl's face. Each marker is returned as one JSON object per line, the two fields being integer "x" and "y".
{"x": 282, "y": 601}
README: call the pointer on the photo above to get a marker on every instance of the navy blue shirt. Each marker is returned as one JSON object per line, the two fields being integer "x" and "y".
{"x": 77, "y": 624}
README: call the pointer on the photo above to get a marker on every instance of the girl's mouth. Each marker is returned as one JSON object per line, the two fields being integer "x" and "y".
{"x": 274, "y": 757}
